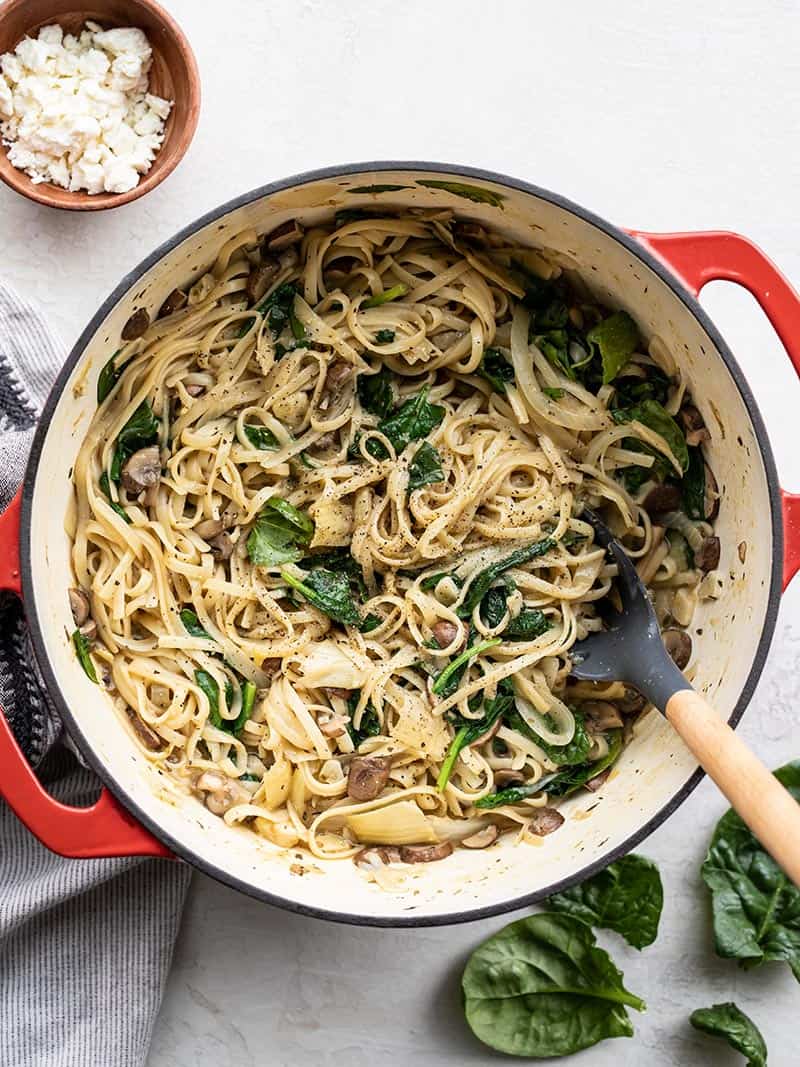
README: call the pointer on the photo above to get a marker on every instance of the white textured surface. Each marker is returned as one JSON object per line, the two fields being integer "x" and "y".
{"x": 656, "y": 116}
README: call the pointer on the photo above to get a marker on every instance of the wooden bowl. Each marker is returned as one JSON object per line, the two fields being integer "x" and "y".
{"x": 173, "y": 75}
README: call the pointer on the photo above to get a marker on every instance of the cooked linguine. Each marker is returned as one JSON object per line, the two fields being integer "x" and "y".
{"x": 328, "y": 545}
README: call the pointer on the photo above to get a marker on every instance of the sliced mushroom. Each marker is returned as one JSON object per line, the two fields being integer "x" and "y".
{"x": 483, "y": 838}
{"x": 632, "y": 702}
{"x": 148, "y": 737}
{"x": 337, "y": 691}
{"x": 272, "y": 665}
{"x": 706, "y": 557}
{"x": 209, "y": 528}
{"x": 259, "y": 278}
{"x": 487, "y": 735}
{"x": 544, "y": 821}
{"x": 89, "y": 629}
{"x": 338, "y": 373}
{"x": 195, "y": 389}
{"x": 446, "y": 338}
{"x": 335, "y": 726}
{"x": 174, "y": 302}
{"x": 598, "y": 781}
{"x": 468, "y": 230}
{"x": 693, "y": 425}
{"x": 679, "y": 645}
{"x": 601, "y": 716}
{"x": 662, "y": 498}
{"x": 136, "y": 325}
{"x": 222, "y": 545}
{"x": 289, "y": 258}
{"x": 446, "y": 632}
{"x": 368, "y": 775}
{"x": 711, "y": 497}
{"x": 142, "y": 469}
{"x": 222, "y": 793}
{"x": 425, "y": 853}
{"x": 506, "y": 779}
{"x": 80, "y": 606}
{"x": 289, "y": 233}
{"x": 383, "y": 853}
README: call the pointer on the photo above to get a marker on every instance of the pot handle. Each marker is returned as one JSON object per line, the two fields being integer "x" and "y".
{"x": 105, "y": 828}
{"x": 715, "y": 255}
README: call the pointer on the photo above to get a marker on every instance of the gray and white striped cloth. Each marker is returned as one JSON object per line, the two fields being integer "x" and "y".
{"x": 85, "y": 945}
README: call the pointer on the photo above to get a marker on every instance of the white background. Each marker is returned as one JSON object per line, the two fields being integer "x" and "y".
{"x": 660, "y": 116}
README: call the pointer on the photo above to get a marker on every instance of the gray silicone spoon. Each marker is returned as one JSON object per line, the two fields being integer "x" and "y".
{"x": 631, "y": 650}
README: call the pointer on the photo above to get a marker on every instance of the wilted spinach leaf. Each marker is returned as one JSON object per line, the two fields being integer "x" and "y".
{"x": 730, "y": 1023}
{"x": 109, "y": 376}
{"x": 385, "y": 337}
{"x": 487, "y": 577}
{"x": 82, "y": 649}
{"x": 569, "y": 755}
{"x": 651, "y": 414}
{"x": 469, "y": 730}
{"x": 693, "y": 486}
{"x": 210, "y": 687}
{"x": 369, "y": 726}
{"x": 542, "y": 988}
{"x": 331, "y": 593}
{"x": 756, "y": 907}
{"x": 105, "y": 486}
{"x": 475, "y": 193}
{"x": 375, "y": 392}
{"x": 626, "y": 897}
{"x": 616, "y": 339}
{"x": 412, "y": 420}
{"x": 386, "y": 297}
{"x": 192, "y": 625}
{"x": 279, "y": 534}
{"x": 496, "y": 369}
{"x": 139, "y": 431}
{"x": 573, "y": 778}
{"x": 261, "y": 437}
{"x": 528, "y": 625}
{"x": 425, "y": 468}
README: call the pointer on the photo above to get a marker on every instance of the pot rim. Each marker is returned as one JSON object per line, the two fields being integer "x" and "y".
{"x": 126, "y": 284}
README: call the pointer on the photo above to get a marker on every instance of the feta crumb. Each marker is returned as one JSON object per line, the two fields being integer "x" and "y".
{"x": 76, "y": 112}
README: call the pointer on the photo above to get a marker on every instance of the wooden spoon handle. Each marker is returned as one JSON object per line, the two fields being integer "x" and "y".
{"x": 759, "y": 798}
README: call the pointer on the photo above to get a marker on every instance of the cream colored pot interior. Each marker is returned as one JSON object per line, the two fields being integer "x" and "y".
{"x": 652, "y": 770}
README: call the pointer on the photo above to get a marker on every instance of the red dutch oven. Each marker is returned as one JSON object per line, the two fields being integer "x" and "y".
{"x": 657, "y": 278}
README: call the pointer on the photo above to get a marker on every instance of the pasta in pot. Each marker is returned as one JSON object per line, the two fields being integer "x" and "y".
{"x": 328, "y": 549}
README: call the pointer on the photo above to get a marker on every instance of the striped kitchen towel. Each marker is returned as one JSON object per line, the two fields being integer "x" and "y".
{"x": 85, "y": 945}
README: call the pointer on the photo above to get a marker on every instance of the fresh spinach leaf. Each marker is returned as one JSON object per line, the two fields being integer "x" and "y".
{"x": 279, "y": 534}
{"x": 616, "y": 339}
{"x": 496, "y": 369}
{"x": 475, "y": 193}
{"x": 385, "y": 337}
{"x": 573, "y": 778}
{"x": 331, "y": 593}
{"x": 375, "y": 392}
{"x": 370, "y": 725}
{"x": 541, "y": 987}
{"x": 386, "y": 297}
{"x": 109, "y": 376}
{"x": 105, "y": 487}
{"x": 82, "y": 650}
{"x": 693, "y": 486}
{"x": 486, "y": 578}
{"x": 732, "y": 1025}
{"x": 261, "y": 437}
{"x": 192, "y": 625}
{"x": 756, "y": 907}
{"x": 626, "y": 897}
{"x": 425, "y": 468}
{"x": 139, "y": 431}
{"x": 651, "y": 414}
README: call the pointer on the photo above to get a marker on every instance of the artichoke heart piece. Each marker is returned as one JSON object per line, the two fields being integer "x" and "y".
{"x": 395, "y": 824}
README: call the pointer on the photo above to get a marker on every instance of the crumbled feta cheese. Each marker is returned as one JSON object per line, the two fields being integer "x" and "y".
{"x": 76, "y": 111}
